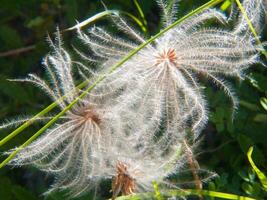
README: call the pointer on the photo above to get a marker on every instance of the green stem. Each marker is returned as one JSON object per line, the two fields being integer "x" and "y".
{"x": 52, "y": 121}
{"x": 188, "y": 192}
{"x": 207, "y": 193}
{"x": 121, "y": 62}
{"x": 226, "y": 5}
{"x": 250, "y": 25}
{"x": 37, "y": 116}
{"x": 54, "y": 104}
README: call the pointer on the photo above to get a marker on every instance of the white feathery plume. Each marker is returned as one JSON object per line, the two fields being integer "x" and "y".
{"x": 132, "y": 124}
{"x": 169, "y": 11}
{"x": 136, "y": 173}
{"x": 74, "y": 149}
{"x": 161, "y": 82}
{"x": 256, "y": 11}
{"x": 133, "y": 173}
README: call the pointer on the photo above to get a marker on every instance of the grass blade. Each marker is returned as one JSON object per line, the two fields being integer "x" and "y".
{"x": 209, "y": 193}
{"x": 250, "y": 25}
{"x": 189, "y": 192}
{"x": 140, "y": 12}
{"x": 103, "y": 14}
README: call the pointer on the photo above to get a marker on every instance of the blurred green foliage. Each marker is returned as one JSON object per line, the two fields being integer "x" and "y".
{"x": 24, "y": 23}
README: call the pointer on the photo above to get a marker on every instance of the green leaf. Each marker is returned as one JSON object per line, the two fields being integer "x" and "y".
{"x": 260, "y": 118}
{"x": 5, "y": 188}
{"x": 244, "y": 142}
{"x": 243, "y": 175}
{"x": 249, "y": 106}
{"x": 9, "y": 37}
{"x": 38, "y": 21}
{"x": 264, "y": 103}
{"x": 71, "y": 10}
{"x": 247, "y": 187}
{"x": 261, "y": 175}
{"x": 22, "y": 194}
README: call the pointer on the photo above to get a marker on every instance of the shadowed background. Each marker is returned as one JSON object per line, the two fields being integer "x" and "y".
{"x": 24, "y": 26}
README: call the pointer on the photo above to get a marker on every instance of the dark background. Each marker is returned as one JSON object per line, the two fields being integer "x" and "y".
{"x": 26, "y": 23}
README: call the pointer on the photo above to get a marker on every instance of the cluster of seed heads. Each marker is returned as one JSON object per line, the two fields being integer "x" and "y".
{"x": 142, "y": 122}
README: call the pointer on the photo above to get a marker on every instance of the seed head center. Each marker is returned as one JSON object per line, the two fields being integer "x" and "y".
{"x": 90, "y": 114}
{"x": 167, "y": 55}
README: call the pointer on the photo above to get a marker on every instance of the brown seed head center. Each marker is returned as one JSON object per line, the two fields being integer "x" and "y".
{"x": 167, "y": 55}
{"x": 90, "y": 114}
{"x": 122, "y": 183}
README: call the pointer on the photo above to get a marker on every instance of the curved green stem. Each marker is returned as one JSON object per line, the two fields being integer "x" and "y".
{"x": 260, "y": 174}
{"x": 103, "y": 14}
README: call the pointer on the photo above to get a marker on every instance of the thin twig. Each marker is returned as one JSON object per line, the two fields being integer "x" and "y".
{"x": 14, "y": 52}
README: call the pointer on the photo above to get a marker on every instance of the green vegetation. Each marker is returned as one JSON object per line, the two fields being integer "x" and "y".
{"x": 24, "y": 26}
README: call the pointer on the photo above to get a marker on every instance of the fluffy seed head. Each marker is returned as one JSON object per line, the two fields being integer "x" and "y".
{"x": 158, "y": 98}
